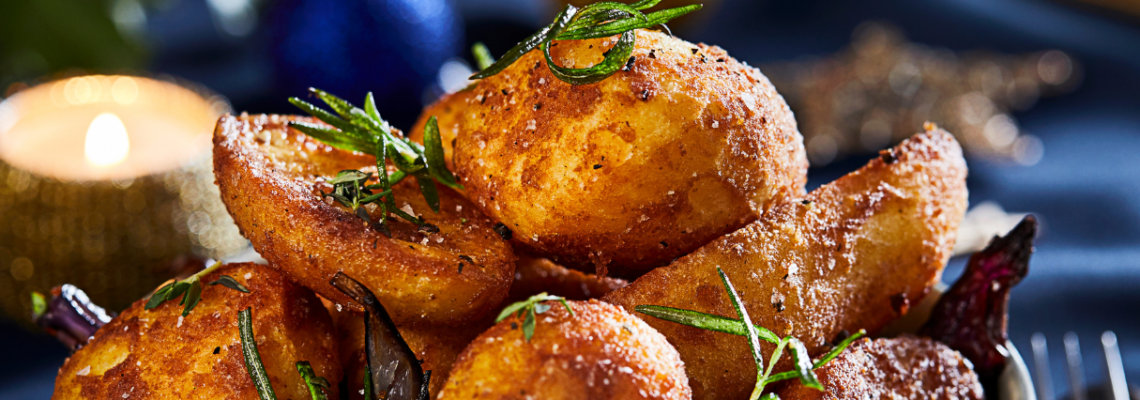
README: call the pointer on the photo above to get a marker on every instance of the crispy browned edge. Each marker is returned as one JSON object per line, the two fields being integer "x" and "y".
{"x": 297, "y": 232}
{"x": 172, "y": 348}
{"x": 930, "y": 164}
{"x": 540, "y": 275}
{"x": 775, "y": 149}
{"x": 600, "y": 352}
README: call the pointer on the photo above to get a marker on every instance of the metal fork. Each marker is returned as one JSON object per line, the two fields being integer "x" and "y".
{"x": 1117, "y": 388}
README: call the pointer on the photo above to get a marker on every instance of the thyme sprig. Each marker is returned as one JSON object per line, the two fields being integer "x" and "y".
{"x": 355, "y": 129}
{"x": 598, "y": 20}
{"x": 803, "y": 365}
{"x": 529, "y": 309}
{"x": 190, "y": 289}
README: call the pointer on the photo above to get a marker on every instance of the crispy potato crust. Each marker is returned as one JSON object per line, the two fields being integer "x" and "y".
{"x": 852, "y": 254}
{"x": 682, "y": 147}
{"x": 902, "y": 368}
{"x": 601, "y": 352}
{"x": 158, "y": 354}
{"x": 436, "y": 346}
{"x": 538, "y": 275}
{"x": 270, "y": 179}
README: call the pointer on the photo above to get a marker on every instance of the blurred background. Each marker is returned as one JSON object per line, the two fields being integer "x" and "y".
{"x": 1043, "y": 94}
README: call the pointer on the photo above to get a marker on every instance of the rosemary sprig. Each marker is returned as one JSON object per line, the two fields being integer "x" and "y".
{"x": 252, "y": 358}
{"x": 530, "y": 308}
{"x": 368, "y": 383}
{"x": 598, "y": 20}
{"x": 803, "y": 366}
{"x": 822, "y": 360}
{"x": 483, "y": 57}
{"x": 317, "y": 384}
{"x": 753, "y": 338}
{"x": 701, "y": 320}
{"x": 192, "y": 289}
{"x": 355, "y": 129}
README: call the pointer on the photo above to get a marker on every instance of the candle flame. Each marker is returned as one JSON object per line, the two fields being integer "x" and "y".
{"x": 107, "y": 142}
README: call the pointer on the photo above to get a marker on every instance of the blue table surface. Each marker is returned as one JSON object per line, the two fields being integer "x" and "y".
{"x": 1085, "y": 275}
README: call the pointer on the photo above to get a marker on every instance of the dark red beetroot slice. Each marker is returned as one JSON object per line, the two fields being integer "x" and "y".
{"x": 972, "y": 315}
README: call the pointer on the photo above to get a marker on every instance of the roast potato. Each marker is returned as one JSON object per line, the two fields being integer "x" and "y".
{"x": 271, "y": 178}
{"x": 853, "y": 254}
{"x": 600, "y": 352}
{"x": 539, "y": 275}
{"x": 683, "y": 146}
{"x": 906, "y": 367}
{"x": 158, "y": 354}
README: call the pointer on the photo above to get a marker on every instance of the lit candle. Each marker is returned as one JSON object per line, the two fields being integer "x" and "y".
{"x": 106, "y": 127}
{"x": 102, "y": 180}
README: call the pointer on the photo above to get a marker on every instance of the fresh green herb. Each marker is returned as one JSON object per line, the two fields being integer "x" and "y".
{"x": 753, "y": 337}
{"x": 351, "y": 190}
{"x": 803, "y": 366}
{"x": 822, "y": 360}
{"x": 191, "y": 287}
{"x": 598, "y": 20}
{"x": 253, "y": 358}
{"x": 317, "y": 385}
{"x": 355, "y": 129}
{"x": 483, "y": 57}
{"x": 368, "y": 383}
{"x": 39, "y": 305}
{"x": 802, "y": 362}
{"x": 530, "y": 308}
{"x": 704, "y": 321}
{"x": 230, "y": 282}
{"x": 193, "y": 295}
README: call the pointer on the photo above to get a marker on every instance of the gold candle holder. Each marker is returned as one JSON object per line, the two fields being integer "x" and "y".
{"x": 104, "y": 182}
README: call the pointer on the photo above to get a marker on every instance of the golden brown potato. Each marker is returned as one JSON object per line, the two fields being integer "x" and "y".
{"x": 270, "y": 179}
{"x": 538, "y": 275}
{"x": 853, "y": 254}
{"x": 158, "y": 354}
{"x": 902, "y": 368}
{"x": 601, "y": 352}
{"x": 684, "y": 146}
{"x": 436, "y": 346}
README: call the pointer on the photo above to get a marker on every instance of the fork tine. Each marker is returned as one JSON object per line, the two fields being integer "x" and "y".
{"x": 1115, "y": 366}
{"x": 1041, "y": 366}
{"x": 1076, "y": 373}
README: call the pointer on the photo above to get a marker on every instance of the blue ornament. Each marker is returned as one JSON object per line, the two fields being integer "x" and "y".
{"x": 393, "y": 48}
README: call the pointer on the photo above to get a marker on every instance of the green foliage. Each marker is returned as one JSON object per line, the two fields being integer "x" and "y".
{"x": 355, "y": 129}
{"x": 803, "y": 365}
{"x": 47, "y": 36}
{"x": 528, "y": 310}
{"x": 598, "y": 20}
